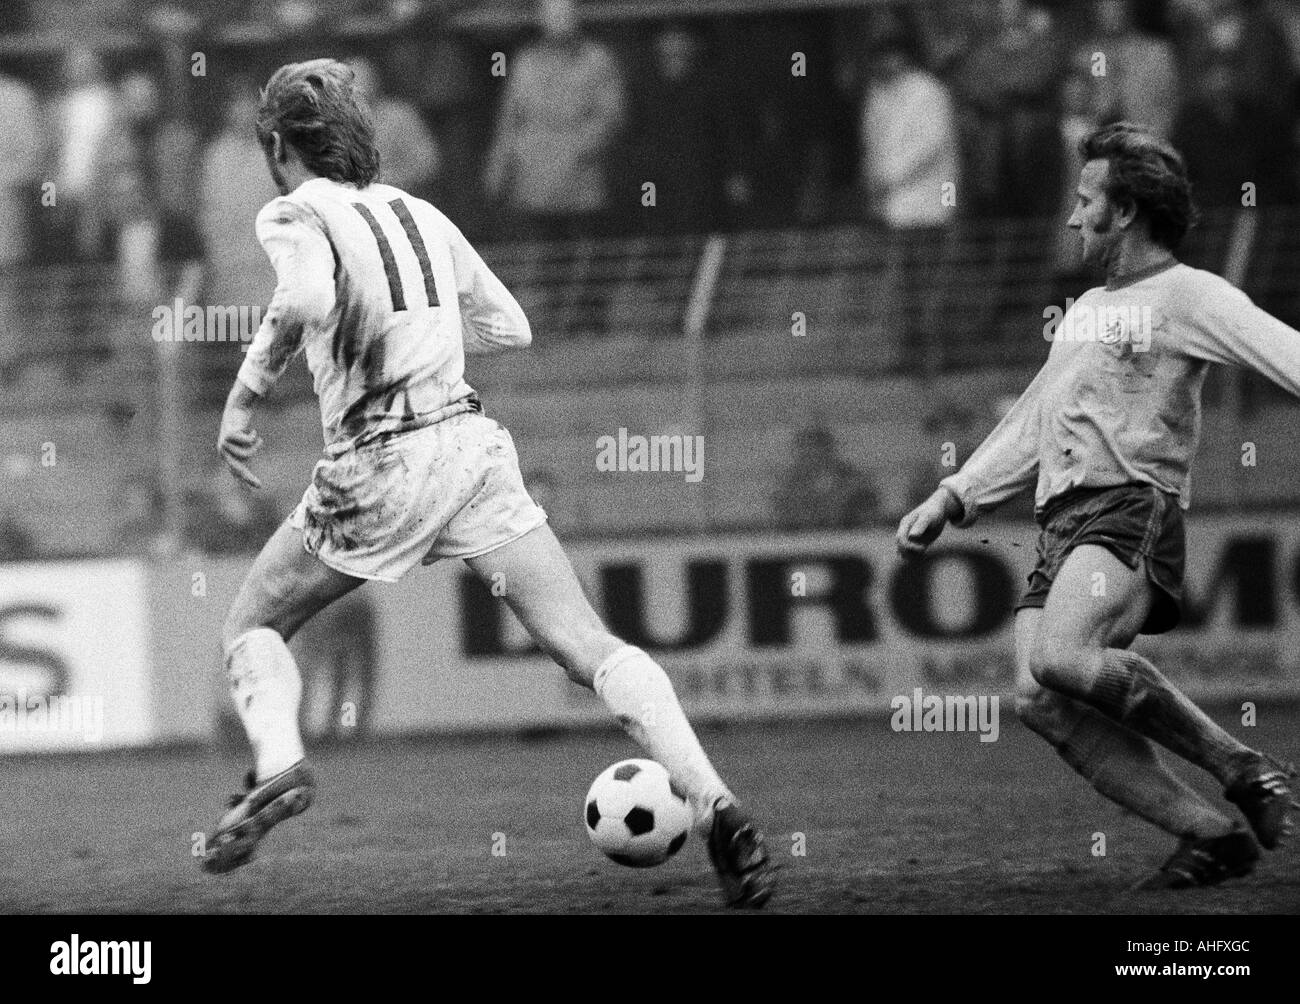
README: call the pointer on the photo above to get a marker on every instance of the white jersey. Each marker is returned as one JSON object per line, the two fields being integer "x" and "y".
{"x": 1119, "y": 399}
{"x": 385, "y": 296}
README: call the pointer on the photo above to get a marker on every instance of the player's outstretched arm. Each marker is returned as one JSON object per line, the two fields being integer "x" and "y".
{"x": 1230, "y": 328}
{"x": 238, "y": 440}
{"x": 1006, "y": 463}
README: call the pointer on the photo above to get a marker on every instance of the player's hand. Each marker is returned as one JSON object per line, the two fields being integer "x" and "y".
{"x": 921, "y": 527}
{"x": 237, "y": 442}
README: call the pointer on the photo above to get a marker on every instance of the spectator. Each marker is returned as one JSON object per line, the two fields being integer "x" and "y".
{"x": 337, "y": 652}
{"x": 1082, "y": 104}
{"x": 234, "y": 185}
{"x": 821, "y": 490}
{"x": 451, "y": 94}
{"x": 1221, "y": 136}
{"x": 20, "y": 153}
{"x": 909, "y": 173}
{"x": 952, "y": 432}
{"x": 680, "y": 136}
{"x": 176, "y": 163}
{"x": 127, "y": 185}
{"x": 1141, "y": 79}
{"x": 21, "y": 146}
{"x": 84, "y": 115}
{"x": 148, "y": 181}
{"x": 145, "y": 528}
{"x": 181, "y": 253}
{"x": 1286, "y": 14}
{"x": 1006, "y": 90}
{"x": 909, "y": 140}
{"x": 780, "y": 141}
{"x": 16, "y": 541}
{"x": 1246, "y": 35}
{"x": 408, "y": 155}
{"x": 15, "y": 17}
{"x": 563, "y": 109}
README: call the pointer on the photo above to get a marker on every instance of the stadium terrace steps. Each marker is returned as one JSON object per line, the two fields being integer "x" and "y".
{"x": 86, "y": 514}
{"x": 601, "y": 362}
{"x": 755, "y": 403}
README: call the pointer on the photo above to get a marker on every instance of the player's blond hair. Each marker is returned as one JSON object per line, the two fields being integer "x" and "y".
{"x": 315, "y": 108}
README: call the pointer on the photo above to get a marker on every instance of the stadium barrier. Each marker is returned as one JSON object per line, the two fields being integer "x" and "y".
{"x": 75, "y": 665}
{"x": 748, "y": 627}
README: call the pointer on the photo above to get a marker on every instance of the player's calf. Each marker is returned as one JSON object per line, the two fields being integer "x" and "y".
{"x": 1121, "y": 765}
{"x": 1130, "y": 690}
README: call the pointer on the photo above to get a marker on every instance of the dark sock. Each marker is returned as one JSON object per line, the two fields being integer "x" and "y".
{"x": 1123, "y": 766}
{"x": 1131, "y": 691}
{"x": 1126, "y": 768}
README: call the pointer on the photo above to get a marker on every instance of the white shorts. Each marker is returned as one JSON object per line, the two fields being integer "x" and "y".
{"x": 447, "y": 490}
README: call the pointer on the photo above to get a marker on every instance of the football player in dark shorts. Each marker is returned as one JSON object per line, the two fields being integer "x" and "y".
{"x": 1107, "y": 431}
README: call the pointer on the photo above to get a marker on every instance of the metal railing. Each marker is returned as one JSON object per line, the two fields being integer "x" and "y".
{"x": 789, "y": 323}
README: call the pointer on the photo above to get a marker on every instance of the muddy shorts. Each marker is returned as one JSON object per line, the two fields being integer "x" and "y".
{"x": 447, "y": 490}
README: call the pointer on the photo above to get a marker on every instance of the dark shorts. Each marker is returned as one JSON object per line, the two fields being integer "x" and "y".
{"x": 1139, "y": 524}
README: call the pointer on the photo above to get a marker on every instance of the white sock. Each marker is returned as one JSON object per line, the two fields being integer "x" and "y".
{"x": 641, "y": 696}
{"x": 266, "y": 688}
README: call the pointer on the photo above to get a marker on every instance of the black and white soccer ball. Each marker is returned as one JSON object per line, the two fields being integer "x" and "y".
{"x": 636, "y": 815}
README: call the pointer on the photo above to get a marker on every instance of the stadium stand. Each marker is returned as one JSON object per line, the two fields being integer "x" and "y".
{"x": 745, "y": 335}
{"x": 760, "y": 382}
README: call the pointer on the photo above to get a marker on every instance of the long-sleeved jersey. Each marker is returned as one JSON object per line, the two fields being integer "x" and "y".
{"x": 385, "y": 296}
{"x": 1119, "y": 398}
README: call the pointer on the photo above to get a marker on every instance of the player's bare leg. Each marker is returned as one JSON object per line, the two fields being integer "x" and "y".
{"x": 1119, "y": 763}
{"x": 545, "y": 594}
{"x": 1122, "y": 765}
{"x": 1095, "y": 601}
{"x": 282, "y": 590}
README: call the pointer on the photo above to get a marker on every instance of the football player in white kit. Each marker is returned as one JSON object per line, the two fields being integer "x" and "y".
{"x": 384, "y": 296}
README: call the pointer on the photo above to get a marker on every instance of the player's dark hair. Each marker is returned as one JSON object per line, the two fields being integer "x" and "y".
{"x": 1148, "y": 173}
{"x": 314, "y": 107}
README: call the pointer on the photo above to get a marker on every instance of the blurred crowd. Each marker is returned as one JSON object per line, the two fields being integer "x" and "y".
{"x": 558, "y": 133}
{"x": 908, "y": 116}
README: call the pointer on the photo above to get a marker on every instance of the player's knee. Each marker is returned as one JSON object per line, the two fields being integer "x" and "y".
{"x": 1052, "y": 663}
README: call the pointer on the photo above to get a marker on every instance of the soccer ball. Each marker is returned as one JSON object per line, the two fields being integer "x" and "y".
{"x": 636, "y": 815}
